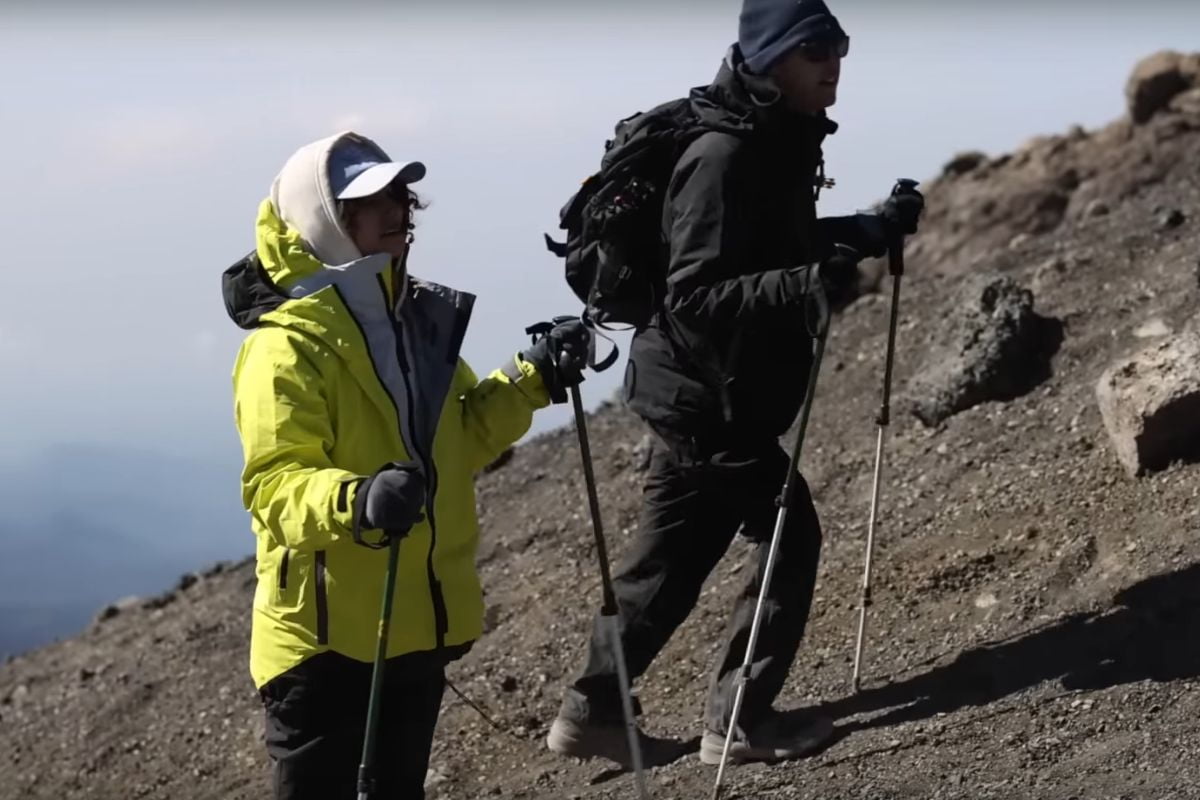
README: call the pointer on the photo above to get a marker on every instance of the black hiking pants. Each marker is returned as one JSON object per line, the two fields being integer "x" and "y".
{"x": 693, "y": 507}
{"x": 317, "y": 714}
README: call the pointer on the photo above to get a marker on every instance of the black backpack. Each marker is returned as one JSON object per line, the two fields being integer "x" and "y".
{"x": 615, "y": 252}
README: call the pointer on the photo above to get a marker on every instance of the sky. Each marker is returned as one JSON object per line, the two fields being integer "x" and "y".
{"x": 139, "y": 142}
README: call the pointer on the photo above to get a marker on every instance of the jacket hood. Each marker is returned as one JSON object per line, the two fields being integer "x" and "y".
{"x": 303, "y": 199}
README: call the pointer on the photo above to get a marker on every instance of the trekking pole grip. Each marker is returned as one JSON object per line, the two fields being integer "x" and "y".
{"x": 896, "y": 246}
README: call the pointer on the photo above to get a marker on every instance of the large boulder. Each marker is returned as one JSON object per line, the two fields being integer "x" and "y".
{"x": 993, "y": 346}
{"x": 1151, "y": 404}
{"x": 1157, "y": 80}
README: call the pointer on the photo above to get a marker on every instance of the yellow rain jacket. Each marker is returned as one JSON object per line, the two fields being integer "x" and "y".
{"x": 339, "y": 377}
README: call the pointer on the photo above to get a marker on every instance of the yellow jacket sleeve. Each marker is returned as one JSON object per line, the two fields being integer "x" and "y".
{"x": 498, "y": 410}
{"x": 289, "y": 485}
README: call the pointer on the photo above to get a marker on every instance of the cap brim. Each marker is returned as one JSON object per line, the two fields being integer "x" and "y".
{"x": 379, "y": 176}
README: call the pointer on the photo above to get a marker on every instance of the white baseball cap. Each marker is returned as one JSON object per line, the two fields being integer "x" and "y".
{"x": 359, "y": 168}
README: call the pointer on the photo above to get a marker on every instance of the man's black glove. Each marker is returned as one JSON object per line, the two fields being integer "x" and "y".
{"x": 896, "y": 217}
{"x": 839, "y": 272}
{"x": 391, "y": 500}
{"x": 560, "y": 355}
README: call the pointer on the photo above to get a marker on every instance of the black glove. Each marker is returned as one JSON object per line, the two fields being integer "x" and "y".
{"x": 895, "y": 217}
{"x": 839, "y": 272}
{"x": 902, "y": 211}
{"x": 391, "y": 499}
{"x": 561, "y": 355}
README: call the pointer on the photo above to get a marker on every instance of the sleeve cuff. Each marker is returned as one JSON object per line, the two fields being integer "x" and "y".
{"x": 526, "y": 378}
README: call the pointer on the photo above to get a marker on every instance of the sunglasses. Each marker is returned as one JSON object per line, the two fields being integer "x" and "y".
{"x": 820, "y": 52}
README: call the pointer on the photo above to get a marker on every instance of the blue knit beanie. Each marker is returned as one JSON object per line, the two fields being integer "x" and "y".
{"x": 768, "y": 29}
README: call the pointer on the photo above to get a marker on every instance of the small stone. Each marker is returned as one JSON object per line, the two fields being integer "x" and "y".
{"x": 509, "y": 684}
{"x": 1096, "y": 208}
{"x": 986, "y": 600}
{"x": 1019, "y": 241}
{"x": 966, "y": 162}
{"x": 642, "y": 453}
{"x": 1152, "y": 329}
{"x": 1169, "y": 220}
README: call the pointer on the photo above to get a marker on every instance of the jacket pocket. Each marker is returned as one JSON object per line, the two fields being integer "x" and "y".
{"x": 322, "y": 599}
{"x": 283, "y": 570}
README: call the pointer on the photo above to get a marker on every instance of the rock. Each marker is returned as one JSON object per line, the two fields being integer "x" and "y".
{"x": 1170, "y": 219}
{"x": 1096, "y": 208}
{"x": 117, "y": 608}
{"x": 992, "y": 346}
{"x": 159, "y": 602}
{"x": 491, "y": 618}
{"x": 1187, "y": 102}
{"x": 1019, "y": 241}
{"x": 1151, "y": 404}
{"x": 186, "y": 581}
{"x": 963, "y": 163}
{"x": 1152, "y": 330}
{"x": 1048, "y": 272}
{"x": 986, "y": 601}
{"x": 642, "y": 453}
{"x": 509, "y": 684}
{"x": 434, "y": 778}
{"x": 1155, "y": 82}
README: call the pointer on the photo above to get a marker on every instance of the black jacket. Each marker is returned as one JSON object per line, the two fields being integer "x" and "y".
{"x": 727, "y": 358}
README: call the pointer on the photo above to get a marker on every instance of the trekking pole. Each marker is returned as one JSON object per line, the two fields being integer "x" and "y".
{"x": 366, "y": 768}
{"x": 609, "y": 612}
{"x": 896, "y": 268}
{"x": 819, "y": 332}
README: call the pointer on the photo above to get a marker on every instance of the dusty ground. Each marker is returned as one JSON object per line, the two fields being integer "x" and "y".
{"x": 1034, "y": 635}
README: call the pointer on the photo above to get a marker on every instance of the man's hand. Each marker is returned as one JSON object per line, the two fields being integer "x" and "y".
{"x": 902, "y": 211}
{"x": 840, "y": 270}
{"x": 561, "y": 356}
{"x": 896, "y": 217}
{"x": 394, "y": 498}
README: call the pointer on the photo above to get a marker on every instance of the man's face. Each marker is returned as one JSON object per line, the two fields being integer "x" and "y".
{"x": 808, "y": 77}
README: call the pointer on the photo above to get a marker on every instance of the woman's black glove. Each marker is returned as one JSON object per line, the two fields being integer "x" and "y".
{"x": 560, "y": 355}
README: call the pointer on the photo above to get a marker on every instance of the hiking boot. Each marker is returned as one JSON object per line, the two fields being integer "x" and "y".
{"x": 609, "y": 740}
{"x": 775, "y": 739}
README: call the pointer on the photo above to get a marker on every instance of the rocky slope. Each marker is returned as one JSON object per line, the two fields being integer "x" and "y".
{"x": 1034, "y": 632}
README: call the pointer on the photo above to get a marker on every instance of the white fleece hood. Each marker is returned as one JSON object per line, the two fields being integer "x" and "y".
{"x": 303, "y": 199}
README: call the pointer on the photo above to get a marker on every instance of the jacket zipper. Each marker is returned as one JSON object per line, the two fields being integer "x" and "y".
{"x": 440, "y": 616}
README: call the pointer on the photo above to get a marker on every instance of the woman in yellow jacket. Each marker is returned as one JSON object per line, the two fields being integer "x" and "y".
{"x": 358, "y": 420}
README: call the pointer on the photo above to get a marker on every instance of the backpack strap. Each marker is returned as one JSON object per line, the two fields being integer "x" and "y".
{"x": 613, "y": 354}
{"x": 540, "y": 329}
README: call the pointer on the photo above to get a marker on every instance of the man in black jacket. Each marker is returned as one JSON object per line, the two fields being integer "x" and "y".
{"x": 721, "y": 375}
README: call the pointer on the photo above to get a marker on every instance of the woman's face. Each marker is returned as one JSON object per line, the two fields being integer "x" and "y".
{"x": 381, "y": 222}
